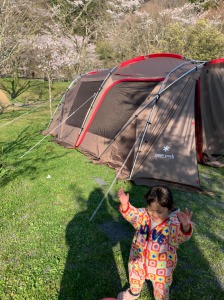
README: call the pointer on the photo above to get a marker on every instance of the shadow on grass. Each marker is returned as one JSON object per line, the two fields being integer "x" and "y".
{"x": 13, "y": 164}
{"x": 194, "y": 277}
{"x": 90, "y": 271}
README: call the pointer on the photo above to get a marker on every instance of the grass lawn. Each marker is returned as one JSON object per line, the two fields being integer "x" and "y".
{"x": 49, "y": 249}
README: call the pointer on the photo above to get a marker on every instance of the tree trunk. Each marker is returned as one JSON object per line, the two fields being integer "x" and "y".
{"x": 49, "y": 92}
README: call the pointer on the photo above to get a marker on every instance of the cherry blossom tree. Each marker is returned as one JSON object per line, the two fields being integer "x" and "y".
{"x": 17, "y": 21}
{"x": 56, "y": 57}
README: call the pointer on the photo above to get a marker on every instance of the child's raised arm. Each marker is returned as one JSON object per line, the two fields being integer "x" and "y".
{"x": 123, "y": 198}
{"x": 185, "y": 219}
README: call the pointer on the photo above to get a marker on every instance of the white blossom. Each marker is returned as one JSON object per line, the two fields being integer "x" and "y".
{"x": 190, "y": 13}
{"x": 117, "y": 8}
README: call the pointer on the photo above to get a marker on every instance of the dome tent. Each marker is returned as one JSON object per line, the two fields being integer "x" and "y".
{"x": 4, "y": 100}
{"x": 148, "y": 118}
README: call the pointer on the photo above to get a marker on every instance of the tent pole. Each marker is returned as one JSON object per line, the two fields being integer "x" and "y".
{"x": 152, "y": 111}
{"x": 62, "y": 100}
{"x": 91, "y": 106}
{"x": 172, "y": 71}
{"x": 118, "y": 174}
{"x": 145, "y": 130}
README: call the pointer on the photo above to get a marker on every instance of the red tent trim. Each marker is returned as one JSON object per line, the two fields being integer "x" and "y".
{"x": 131, "y": 61}
{"x": 92, "y": 72}
{"x": 166, "y": 55}
{"x": 216, "y": 61}
{"x": 142, "y": 57}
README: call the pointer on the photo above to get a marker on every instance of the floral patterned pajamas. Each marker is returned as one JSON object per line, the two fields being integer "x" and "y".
{"x": 153, "y": 252}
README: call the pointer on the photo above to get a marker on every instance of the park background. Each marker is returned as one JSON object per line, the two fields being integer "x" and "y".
{"x": 49, "y": 249}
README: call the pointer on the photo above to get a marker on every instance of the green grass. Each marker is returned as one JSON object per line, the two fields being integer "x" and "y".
{"x": 49, "y": 249}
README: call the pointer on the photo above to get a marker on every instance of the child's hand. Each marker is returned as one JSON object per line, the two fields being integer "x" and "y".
{"x": 185, "y": 219}
{"x": 123, "y": 198}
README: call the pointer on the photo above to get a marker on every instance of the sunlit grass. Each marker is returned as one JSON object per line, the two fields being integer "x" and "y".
{"x": 50, "y": 250}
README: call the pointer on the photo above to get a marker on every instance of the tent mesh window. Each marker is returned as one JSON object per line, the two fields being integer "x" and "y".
{"x": 85, "y": 92}
{"x": 122, "y": 99}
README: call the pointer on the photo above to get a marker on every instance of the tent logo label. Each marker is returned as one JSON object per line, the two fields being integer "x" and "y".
{"x": 166, "y": 148}
{"x": 167, "y": 156}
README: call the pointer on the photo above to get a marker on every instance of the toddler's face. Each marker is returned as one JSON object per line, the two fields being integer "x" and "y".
{"x": 157, "y": 212}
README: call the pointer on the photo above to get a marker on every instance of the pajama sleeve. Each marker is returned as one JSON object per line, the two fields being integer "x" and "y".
{"x": 133, "y": 215}
{"x": 184, "y": 236}
{"x": 178, "y": 236}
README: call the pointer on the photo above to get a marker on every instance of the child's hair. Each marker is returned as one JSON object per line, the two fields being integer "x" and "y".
{"x": 160, "y": 194}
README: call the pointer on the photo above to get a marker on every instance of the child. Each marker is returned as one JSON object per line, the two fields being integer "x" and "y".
{"x": 160, "y": 228}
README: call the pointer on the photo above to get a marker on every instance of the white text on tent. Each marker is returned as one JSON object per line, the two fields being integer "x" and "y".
{"x": 167, "y": 156}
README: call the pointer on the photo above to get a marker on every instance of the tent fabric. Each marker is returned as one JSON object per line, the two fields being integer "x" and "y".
{"x": 4, "y": 100}
{"x": 150, "y": 118}
{"x": 75, "y": 104}
{"x": 128, "y": 95}
{"x": 212, "y": 109}
{"x": 169, "y": 146}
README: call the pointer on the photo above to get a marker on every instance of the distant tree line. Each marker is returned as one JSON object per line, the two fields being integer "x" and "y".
{"x": 60, "y": 38}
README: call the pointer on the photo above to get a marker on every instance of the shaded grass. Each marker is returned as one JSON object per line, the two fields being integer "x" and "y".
{"x": 50, "y": 250}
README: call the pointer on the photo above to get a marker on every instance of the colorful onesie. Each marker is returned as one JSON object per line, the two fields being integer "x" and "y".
{"x": 153, "y": 252}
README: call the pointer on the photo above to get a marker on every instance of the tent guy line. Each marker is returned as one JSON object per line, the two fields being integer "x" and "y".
{"x": 116, "y": 177}
{"x": 54, "y": 129}
{"x": 61, "y": 101}
{"x": 63, "y": 97}
{"x": 26, "y": 113}
{"x": 66, "y": 92}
